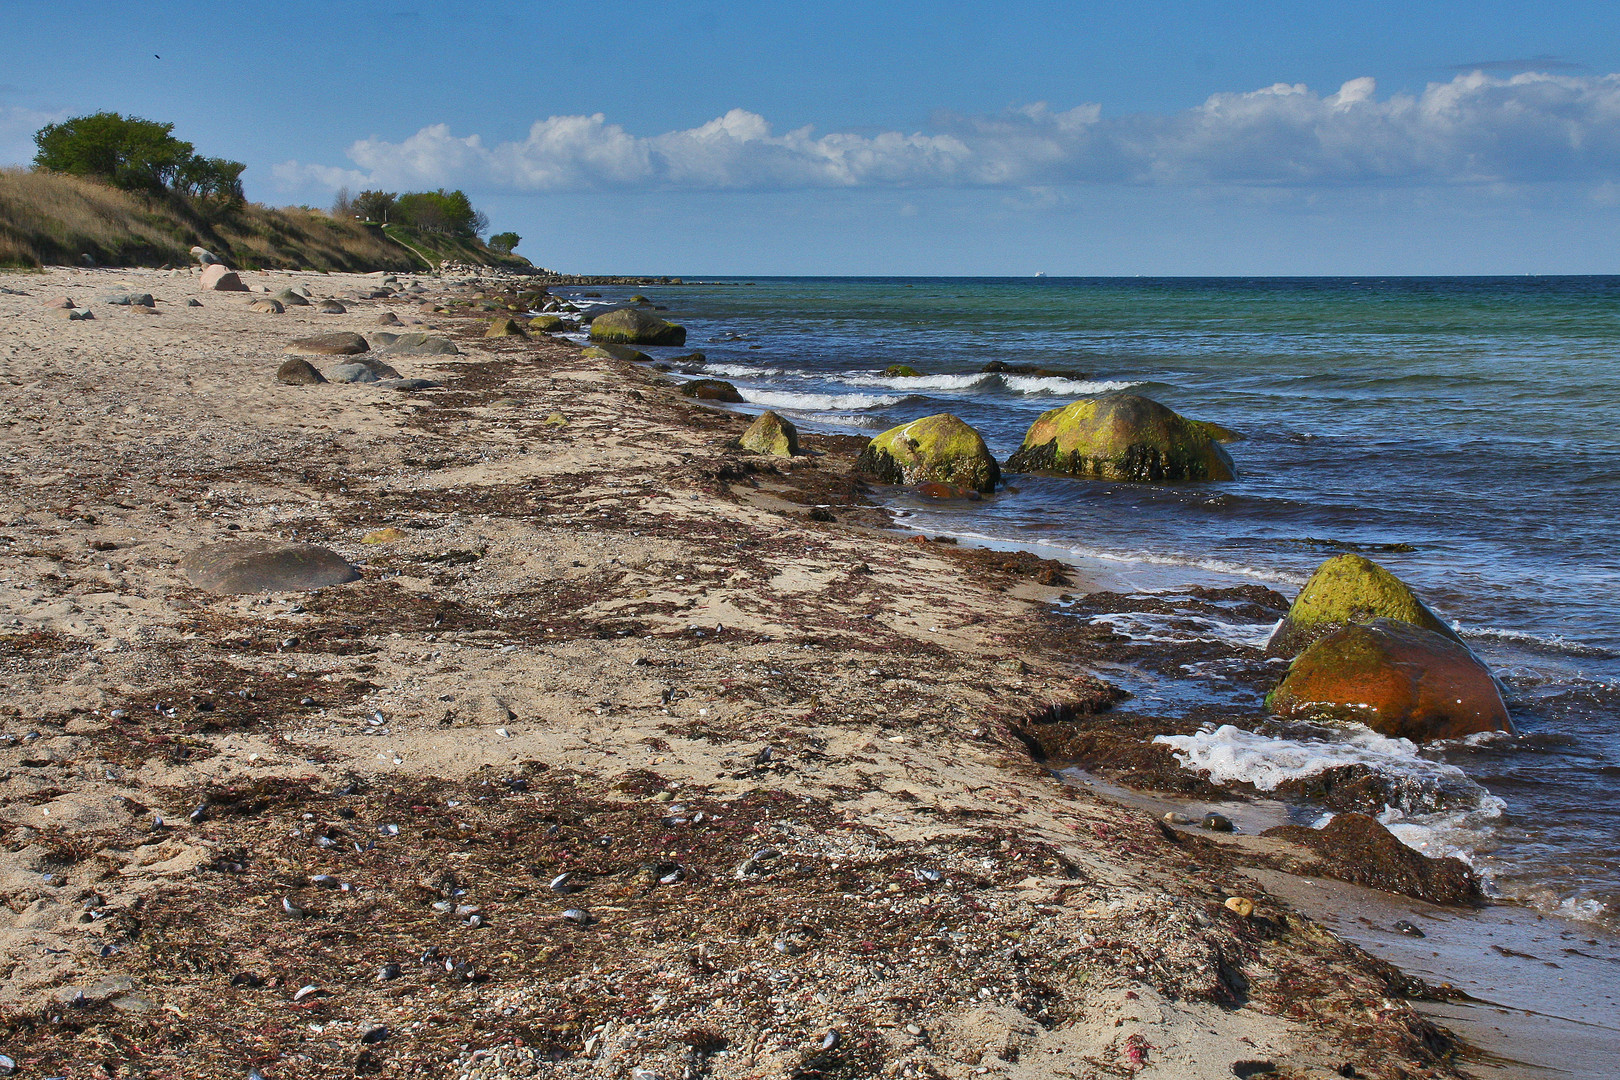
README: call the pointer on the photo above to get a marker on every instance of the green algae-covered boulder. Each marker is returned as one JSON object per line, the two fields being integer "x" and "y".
{"x": 939, "y": 448}
{"x": 901, "y": 371}
{"x": 1120, "y": 437}
{"x": 629, "y": 326}
{"x": 1399, "y": 679}
{"x": 547, "y": 323}
{"x": 505, "y": 327}
{"x": 1350, "y": 589}
{"x": 770, "y": 434}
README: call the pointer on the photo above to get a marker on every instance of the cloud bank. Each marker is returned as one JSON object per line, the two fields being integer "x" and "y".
{"x": 1477, "y": 128}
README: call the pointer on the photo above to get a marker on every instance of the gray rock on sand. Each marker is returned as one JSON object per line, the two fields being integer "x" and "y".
{"x": 361, "y": 371}
{"x": 388, "y": 318}
{"x": 267, "y": 306}
{"x": 218, "y": 279}
{"x": 134, "y": 299}
{"x": 72, "y": 314}
{"x": 265, "y": 566}
{"x": 292, "y": 298}
{"x": 418, "y": 345}
{"x": 205, "y": 257}
{"x": 62, "y": 302}
{"x": 296, "y": 371}
{"x": 406, "y": 385}
{"x": 193, "y": 302}
{"x": 330, "y": 307}
{"x": 328, "y": 345}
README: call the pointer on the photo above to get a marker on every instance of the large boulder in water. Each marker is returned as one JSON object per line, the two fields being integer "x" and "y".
{"x": 770, "y": 434}
{"x": 711, "y": 390}
{"x": 1120, "y": 437}
{"x": 940, "y": 448}
{"x": 1398, "y": 679}
{"x": 630, "y": 326}
{"x": 1350, "y": 589}
{"x": 265, "y": 566}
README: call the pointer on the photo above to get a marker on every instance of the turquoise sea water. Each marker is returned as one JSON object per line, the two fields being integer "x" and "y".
{"x": 1475, "y": 420}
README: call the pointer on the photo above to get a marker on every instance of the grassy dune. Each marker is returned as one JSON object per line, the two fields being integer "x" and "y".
{"x": 50, "y": 219}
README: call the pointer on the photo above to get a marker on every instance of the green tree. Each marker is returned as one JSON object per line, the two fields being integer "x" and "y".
{"x": 375, "y": 205}
{"x": 134, "y": 154}
{"x": 441, "y": 211}
{"x": 504, "y": 242}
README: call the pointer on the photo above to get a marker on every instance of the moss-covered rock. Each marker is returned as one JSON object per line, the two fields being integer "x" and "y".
{"x": 1120, "y": 437}
{"x": 505, "y": 327}
{"x": 901, "y": 371}
{"x": 1399, "y": 679}
{"x": 1220, "y": 432}
{"x": 547, "y": 323}
{"x": 770, "y": 434}
{"x": 711, "y": 390}
{"x": 940, "y": 448}
{"x": 616, "y": 352}
{"x": 630, "y": 326}
{"x": 1350, "y": 589}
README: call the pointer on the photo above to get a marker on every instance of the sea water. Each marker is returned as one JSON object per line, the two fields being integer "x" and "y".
{"x": 1463, "y": 432}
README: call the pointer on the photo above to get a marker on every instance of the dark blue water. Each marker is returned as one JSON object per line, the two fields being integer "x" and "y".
{"x": 1475, "y": 421}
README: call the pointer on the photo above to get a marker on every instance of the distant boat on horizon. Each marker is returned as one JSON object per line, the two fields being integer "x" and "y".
{"x": 1040, "y": 273}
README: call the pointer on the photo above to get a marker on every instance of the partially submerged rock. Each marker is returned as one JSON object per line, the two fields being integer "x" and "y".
{"x": 1398, "y": 679}
{"x": 296, "y": 371}
{"x": 1350, "y": 589}
{"x": 901, "y": 371}
{"x": 935, "y": 490}
{"x": 939, "y": 448}
{"x": 1356, "y": 848}
{"x": 215, "y": 278}
{"x": 770, "y": 434}
{"x": 631, "y": 326}
{"x": 1120, "y": 437}
{"x": 328, "y": 345}
{"x": 711, "y": 390}
{"x": 265, "y": 566}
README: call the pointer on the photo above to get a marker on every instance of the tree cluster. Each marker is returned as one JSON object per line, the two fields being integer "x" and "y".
{"x": 441, "y": 211}
{"x": 136, "y": 155}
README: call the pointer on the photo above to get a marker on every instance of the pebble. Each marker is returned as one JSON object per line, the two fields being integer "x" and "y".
{"x": 1217, "y": 822}
{"x": 388, "y": 973}
{"x": 1241, "y": 905}
{"x": 829, "y": 1040}
{"x": 1174, "y": 818}
{"x": 1409, "y": 930}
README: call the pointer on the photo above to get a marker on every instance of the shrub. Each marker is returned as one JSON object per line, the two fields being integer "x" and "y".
{"x": 505, "y": 242}
{"x": 136, "y": 155}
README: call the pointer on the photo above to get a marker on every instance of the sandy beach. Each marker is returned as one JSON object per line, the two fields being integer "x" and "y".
{"x": 615, "y": 762}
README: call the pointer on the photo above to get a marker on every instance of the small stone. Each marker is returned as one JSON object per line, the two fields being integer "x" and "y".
{"x": 1217, "y": 822}
{"x": 1240, "y": 905}
{"x": 1409, "y": 930}
{"x": 193, "y": 302}
{"x": 388, "y": 973}
{"x": 829, "y": 1040}
{"x": 579, "y": 916}
{"x": 1173, "y": 818}
{"x": 374, "y": 1035}
{"x": 388, "y": 318}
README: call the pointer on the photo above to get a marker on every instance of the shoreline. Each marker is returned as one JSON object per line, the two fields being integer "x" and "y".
{"x": 587, "y": 635}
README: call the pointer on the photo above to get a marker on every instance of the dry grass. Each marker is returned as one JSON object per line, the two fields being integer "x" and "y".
{"x": 50, "y": 219}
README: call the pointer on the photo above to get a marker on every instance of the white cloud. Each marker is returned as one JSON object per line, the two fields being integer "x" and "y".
{"x": 1477, "y": 128}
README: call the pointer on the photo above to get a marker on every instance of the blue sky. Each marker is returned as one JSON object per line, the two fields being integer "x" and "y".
{"x": 843, "y": 138}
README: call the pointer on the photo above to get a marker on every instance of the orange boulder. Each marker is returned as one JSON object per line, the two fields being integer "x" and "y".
{"x": 1398, "y": 679}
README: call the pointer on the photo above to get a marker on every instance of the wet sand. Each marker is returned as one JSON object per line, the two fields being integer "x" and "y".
{"x": 613, "y": 759}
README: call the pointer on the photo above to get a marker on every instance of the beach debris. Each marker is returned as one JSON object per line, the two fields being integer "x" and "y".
{"x": 192, "y": 301}
{"x": 563, "y": 883}
{"x": 291, "y": 908}
{"x": 306, "y": 991}
{"x": 1240, "y": 905}
{"x": 578, "y": 916}
{"x": 1409, "y": 929}
{"x": 939, "y": 448}
{"x": 199, "y": 815}
{"x": 830, "y": 1040}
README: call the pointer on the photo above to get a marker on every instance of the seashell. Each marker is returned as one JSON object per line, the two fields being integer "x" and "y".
{"x": 563, "y": 883}
{"x": 388, "y": 973}
{"x": 578, "y": 915}
{"x": 829, "y": 1040}
{"x": 930, "y": 875}
{"x": 324, "y": 881}
{"x": 291, "y": 908}
{"x": 442, "y": 906}
{"x": 375, "y": 1035}
{"x": 306, "y": 992}
{"x": 199, "y": 815}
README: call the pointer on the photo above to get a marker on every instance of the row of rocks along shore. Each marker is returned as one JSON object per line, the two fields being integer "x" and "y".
{"x": 400, "y": 690}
